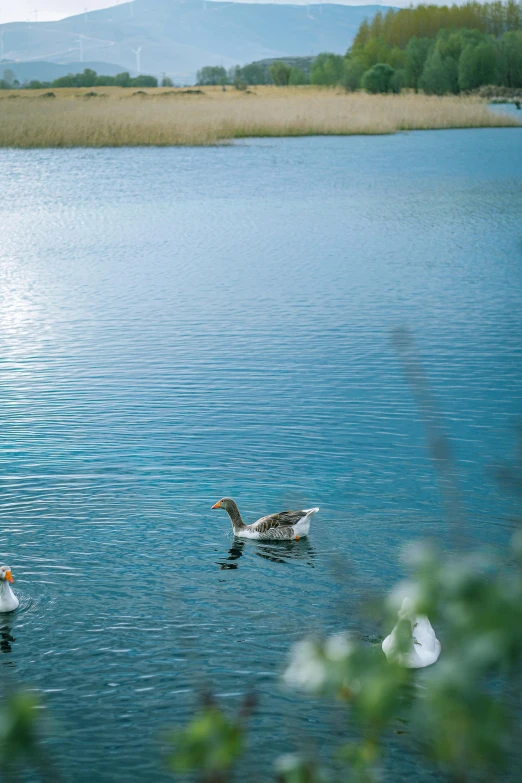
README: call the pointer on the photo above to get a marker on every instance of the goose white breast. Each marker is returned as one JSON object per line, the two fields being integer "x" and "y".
{"x": 424, "y": 648}
{"x": 8, "y": 600}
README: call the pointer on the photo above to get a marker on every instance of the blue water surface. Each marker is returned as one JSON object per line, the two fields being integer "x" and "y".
{"x": 181, "y": 324}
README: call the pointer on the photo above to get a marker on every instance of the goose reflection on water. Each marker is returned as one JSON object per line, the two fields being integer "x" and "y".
{"x": 234, "y": 553}
{"x": 6, "y": 637}
{"x": 276, "y": 551}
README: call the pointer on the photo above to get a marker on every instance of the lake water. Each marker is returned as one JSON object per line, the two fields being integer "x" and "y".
{"x": 181, "y": 324}
{"x": 506, "y": 108}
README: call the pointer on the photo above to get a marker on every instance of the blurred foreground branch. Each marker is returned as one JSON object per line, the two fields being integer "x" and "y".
{"x": 21, "y": 735}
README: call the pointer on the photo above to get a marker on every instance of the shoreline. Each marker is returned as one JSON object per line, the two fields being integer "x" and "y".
{"x": 161, "y": 117}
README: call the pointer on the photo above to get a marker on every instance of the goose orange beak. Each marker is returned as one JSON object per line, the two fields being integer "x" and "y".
{"x": 9, "y": 577}
{"x": 217, "y": 505}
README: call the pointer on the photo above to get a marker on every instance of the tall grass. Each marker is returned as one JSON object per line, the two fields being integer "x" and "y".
{"x": 159, "y": 117}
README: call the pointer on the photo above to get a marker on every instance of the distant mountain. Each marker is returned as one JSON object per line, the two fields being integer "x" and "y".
{"x": 303, "y": 63}
{"x": 180, "y": 36}
{"x": 47, "y": 72}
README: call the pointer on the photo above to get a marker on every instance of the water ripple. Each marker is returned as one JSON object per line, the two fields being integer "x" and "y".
{"x": 207, "y": 322}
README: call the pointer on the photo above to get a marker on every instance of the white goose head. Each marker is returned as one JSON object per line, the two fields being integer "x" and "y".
{"x": 5, "y": 574}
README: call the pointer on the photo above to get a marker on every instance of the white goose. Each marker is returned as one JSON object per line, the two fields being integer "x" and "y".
{"x": 8, "y": 600}
{"x": 424, "y": 646}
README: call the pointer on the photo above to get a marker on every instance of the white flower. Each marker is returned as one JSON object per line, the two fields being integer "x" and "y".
{"x": 287, "y": 763}
{"x": 306, "y": 669}
{"x": 338, "y": 647}
{"x": 404, "y": 590}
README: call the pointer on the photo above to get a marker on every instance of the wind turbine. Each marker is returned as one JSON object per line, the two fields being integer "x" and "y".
{"x": 132, "y": 9}
{"x": 2, "y": 45}
{"x": 138, "y": 61}
{"x": 35, "y": 12}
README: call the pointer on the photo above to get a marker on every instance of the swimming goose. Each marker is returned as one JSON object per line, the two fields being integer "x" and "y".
{"x": 8, "y": 600}
{"x": 424, "y": 646}
{"x": 283, "y": 526}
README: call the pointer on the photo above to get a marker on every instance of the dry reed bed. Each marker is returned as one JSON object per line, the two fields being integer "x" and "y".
{"x": 159, "y": 118}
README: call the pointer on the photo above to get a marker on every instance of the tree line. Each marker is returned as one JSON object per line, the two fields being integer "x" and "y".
{"x": 437, "y": 49}
{"x": 88, "y": 78}
{"x": 252, "y": 74}
{"x": 396, "y": 28}
{"x": 324, "y": 69}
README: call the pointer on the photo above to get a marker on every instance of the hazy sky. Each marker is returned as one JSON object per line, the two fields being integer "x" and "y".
{"x": 48, "y": 10}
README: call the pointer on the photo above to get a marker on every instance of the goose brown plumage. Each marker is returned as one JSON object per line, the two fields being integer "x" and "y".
{"x": 284, "y": 526}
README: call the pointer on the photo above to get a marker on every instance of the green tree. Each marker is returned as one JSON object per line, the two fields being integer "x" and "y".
{"x": 452, "y": 74}
{"x": 404, "y": 38}
{"x": 376, "y": 25}
{"x": 398, "y": 80}
{"x": 510, "y": 59}
{"x": 513, "y": 16}
{"x": 212, "y": 74}
{"x": 254, "y": 73}
{"x": 166, "y": 81}
{"x": 397, "y": 58}
{"x": 280, "y": 73}
{"x": 425, "y": 21}
{"x": 327, "y": 69}
{"x": 374, "y": 51}
{"x": 297, "y": 76}
{"x": 477, "y": 65}
{"x": 440, "y": 75}
{"x": 416, "y": 56}
{"x": 235, "y": 77}
{"x": 65, "y": 81}
{"x": 143, "y": 80}
{"x": 450, "y": 43}
{"x": 353, "y": 73}
{"x": 104, "y": 81}
{"x": 122, "y": 79}
{"x": 378, "y": 78}
{"x": 34, "y": 84}
{"x": 496, "y": 18}
{"x": 363, "y": 34}
{"x": 87, "y": 78}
